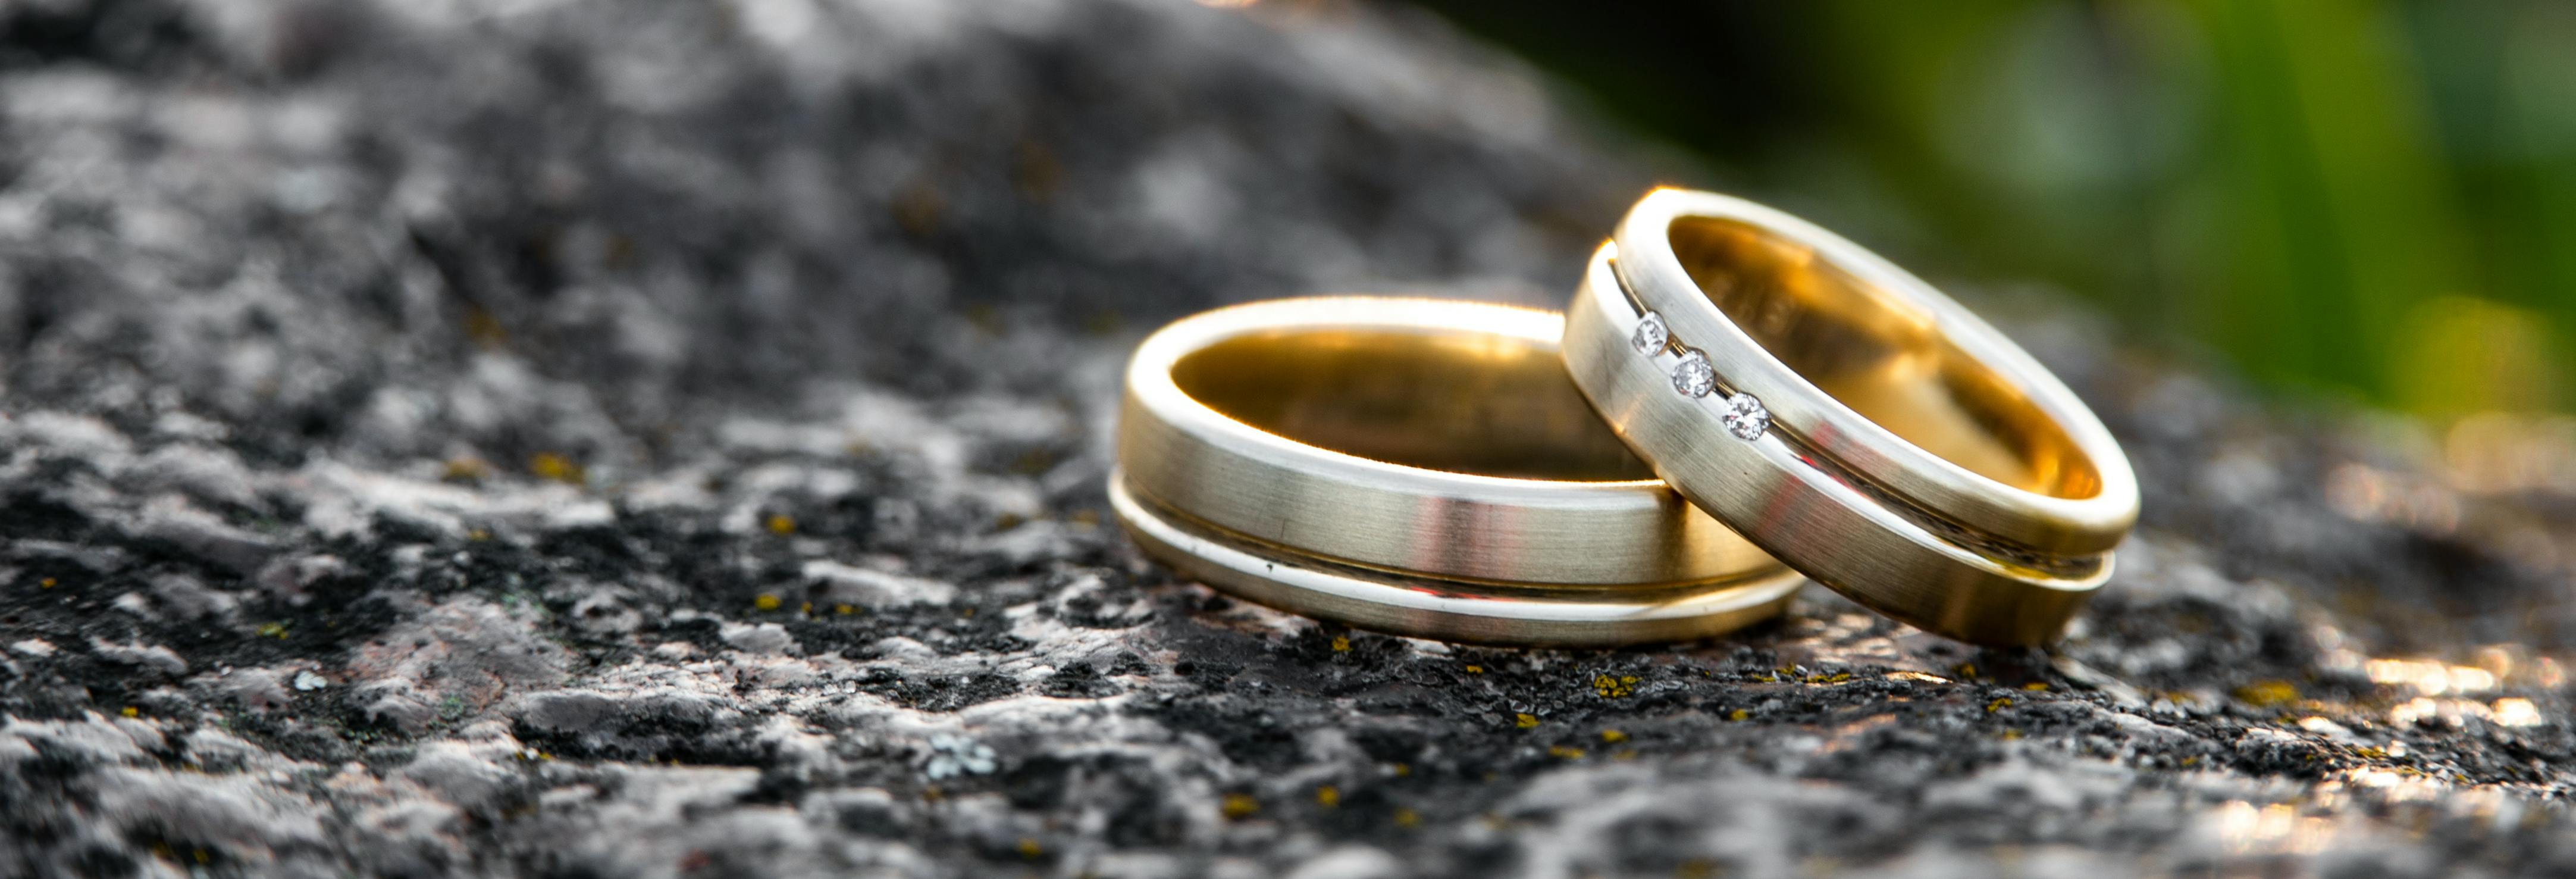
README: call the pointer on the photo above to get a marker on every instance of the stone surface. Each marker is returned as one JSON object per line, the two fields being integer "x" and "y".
{"x": 596, "y": 437}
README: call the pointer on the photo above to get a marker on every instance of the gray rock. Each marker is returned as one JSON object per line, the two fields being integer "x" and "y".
{"x": 566, "y": 710}
{"x": 1350, "y": 862}
{"x": 768, "y": 639}
{"x": 874, "y": 590}
{"x": 457, "y": 775}
{"x": 236, "y": 550}
{"x": 237, "y": 818}
{"x": 148, "y": 657}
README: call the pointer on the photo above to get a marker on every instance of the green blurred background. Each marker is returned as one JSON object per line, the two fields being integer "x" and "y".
{"x": 2374, "y": 200}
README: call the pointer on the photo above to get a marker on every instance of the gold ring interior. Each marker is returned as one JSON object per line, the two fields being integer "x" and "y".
{"x": 1462, "y": 402}
{"x": 1881, "y": 355}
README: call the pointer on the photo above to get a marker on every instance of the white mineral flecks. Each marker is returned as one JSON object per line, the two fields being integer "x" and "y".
{"x": 954, "y": 755}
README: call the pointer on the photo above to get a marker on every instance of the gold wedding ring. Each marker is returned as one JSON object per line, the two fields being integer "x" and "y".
{"x": 1849, "y": 419}
{"x": 1416, "y": 466}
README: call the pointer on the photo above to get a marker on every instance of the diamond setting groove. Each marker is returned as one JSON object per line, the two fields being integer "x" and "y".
{"x": 1745, "y": 417}
{"x": 1651, "y": 335}
{"x": 1693, "y": 377}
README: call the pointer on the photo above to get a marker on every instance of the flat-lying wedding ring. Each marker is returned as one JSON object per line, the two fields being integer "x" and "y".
{"x": 1849, "y": 418}
{"x": 1416, "y": 466}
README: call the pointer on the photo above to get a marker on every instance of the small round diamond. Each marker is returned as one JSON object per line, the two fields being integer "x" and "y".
{"x": 1693, "y": 377}
{"x": 1745, "y": 417}
{"x": 1651, "y": 335}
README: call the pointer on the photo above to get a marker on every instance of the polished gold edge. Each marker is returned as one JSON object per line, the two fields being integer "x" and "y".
{"x": 1197, "y": 461}
{"x": 1824, "y": 524}
{"x": 1446, "y": 610}
{"x": 1652, "y": 277}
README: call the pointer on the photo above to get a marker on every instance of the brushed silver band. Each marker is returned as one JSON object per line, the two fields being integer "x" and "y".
{"x": 1415, "y": 466}
{"x": 1822, "y": 300}
{"x": 1186, "y": 455}
{"x": 1804, "y": 506}
{"x": 1426, "y": 608}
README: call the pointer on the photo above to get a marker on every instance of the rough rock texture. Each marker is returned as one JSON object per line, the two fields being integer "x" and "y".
{"x": 607, "y": 438}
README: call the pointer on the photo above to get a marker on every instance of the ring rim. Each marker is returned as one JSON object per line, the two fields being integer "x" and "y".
{"x": 1795, "y": 504}
{"x": 1185, "y": 455}
{"x": 1428, "y": 608}
{"x": 1648, "y": 268}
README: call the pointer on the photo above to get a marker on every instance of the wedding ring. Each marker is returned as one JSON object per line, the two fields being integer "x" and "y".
{"x": 1449, "y": 610}
{"x": 1849, "y": 419}
{"x": 1416, "y": 466}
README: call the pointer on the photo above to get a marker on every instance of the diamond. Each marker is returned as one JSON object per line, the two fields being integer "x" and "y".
{"x": 1745, "y": 417}
{"x": 1693, "y": 377}
{"x": 1651, "y": 335}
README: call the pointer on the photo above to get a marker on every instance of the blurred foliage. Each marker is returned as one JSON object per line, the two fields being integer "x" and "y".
{"x": 2352, "y": 196}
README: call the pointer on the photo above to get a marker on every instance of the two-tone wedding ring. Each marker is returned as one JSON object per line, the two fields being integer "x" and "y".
{"x": 1849, "y": 419}
{"x": 1415, "y": 466}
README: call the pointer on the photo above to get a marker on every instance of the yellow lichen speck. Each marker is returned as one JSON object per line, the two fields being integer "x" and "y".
{"x": 1341, "y": 644}
{"x": 1475, "y": 669}
{"x": 1328, "y": 796}
{"x": 131, "y": 711}
{"x": 1565, "y": 752}
{"x": 1407, "y": 818}
{"x": 549, "y": 465}
{"x": 1613, "y": 737}
{"x": 1239, "y": 806}
{"x": 2035, "y": 687}
{"x": 781, "y": 524}
{"x": 2265, "y": 694}
{"x": 1999, "y": 704}
{"x": 483, "y": 328}
{"x": 766, "y": 601}
{"x": 844, "y": 609}
{"x": 1738, "y": 714}
{"x": 1029, "y": 848}
{"x": 1525, "y": 720}
{"x": 465, "y": 469}
{"x": 272, "y": 630}
{"x": 1608, "y": 687}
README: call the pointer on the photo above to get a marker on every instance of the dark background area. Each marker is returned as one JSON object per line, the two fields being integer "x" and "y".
{"x": 2373, "y": 200}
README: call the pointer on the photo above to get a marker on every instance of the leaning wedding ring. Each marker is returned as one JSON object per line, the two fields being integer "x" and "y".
{"x": 1416, "y": 466}
{"x": 1849, "y": 419}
